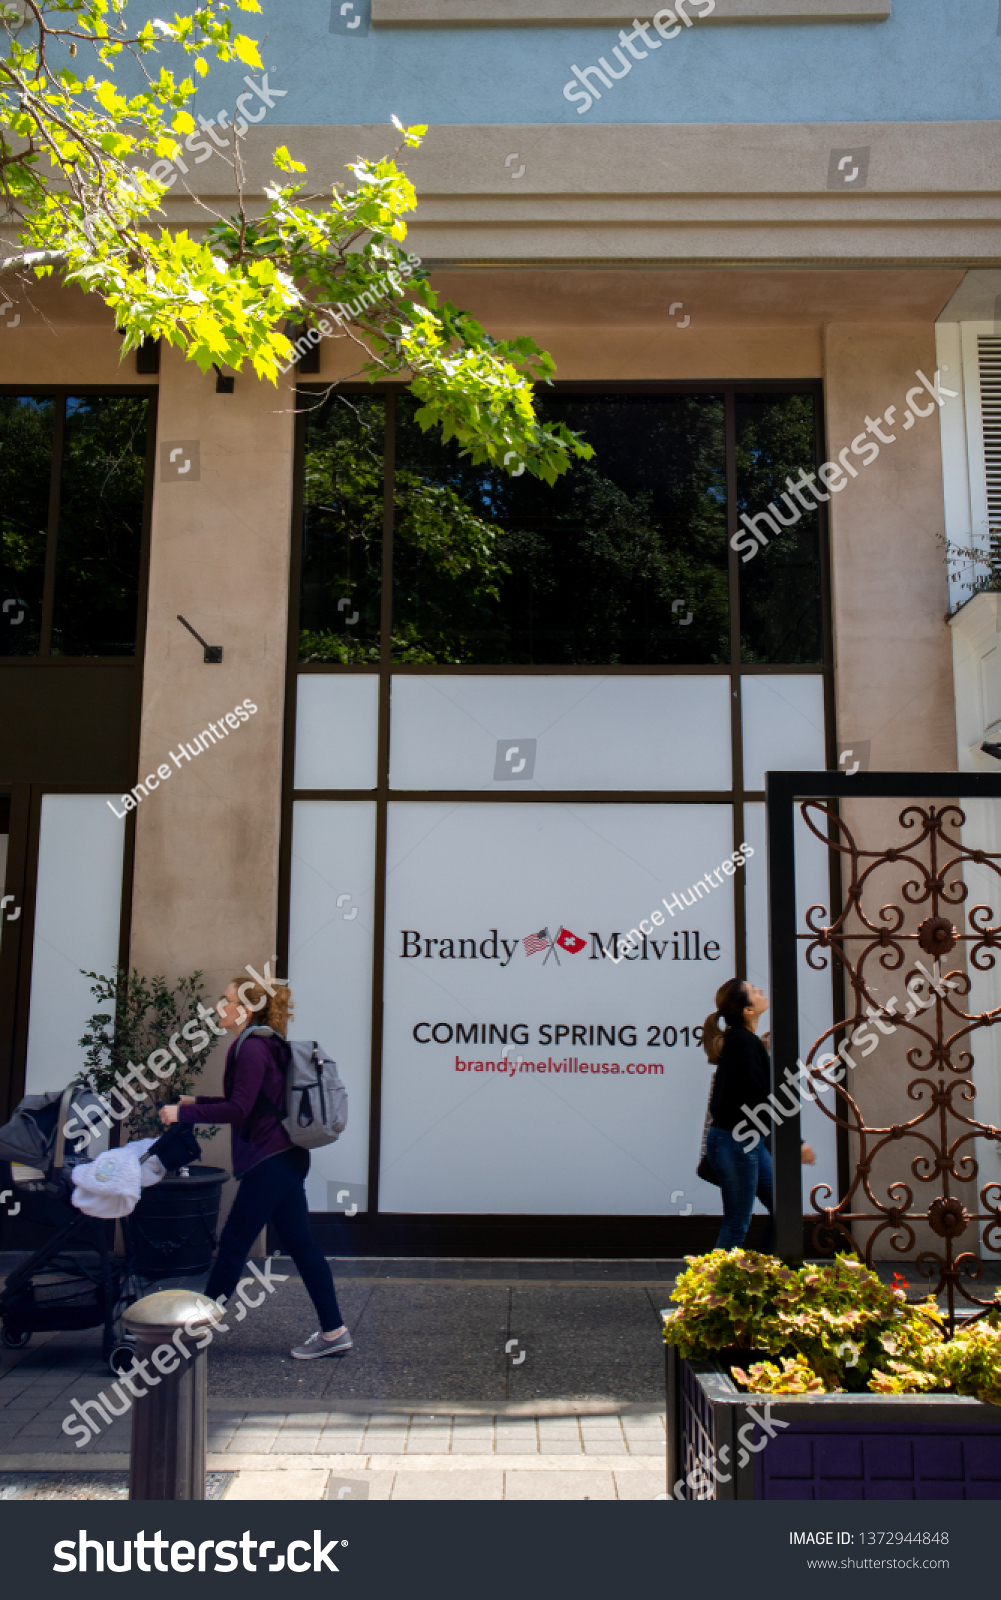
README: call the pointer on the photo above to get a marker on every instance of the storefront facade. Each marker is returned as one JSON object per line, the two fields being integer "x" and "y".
{"x": 497, "y": 727}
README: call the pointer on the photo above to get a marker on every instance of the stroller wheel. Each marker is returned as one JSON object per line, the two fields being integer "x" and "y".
{"x": 13, "y": 1340}
{"x": 122, "y": 1358}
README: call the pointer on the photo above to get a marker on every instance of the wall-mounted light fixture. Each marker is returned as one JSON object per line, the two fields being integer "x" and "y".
{"x": 213, "y": 652}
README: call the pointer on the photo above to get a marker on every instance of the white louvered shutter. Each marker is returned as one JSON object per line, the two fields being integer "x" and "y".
{"x": 989, "y": 352}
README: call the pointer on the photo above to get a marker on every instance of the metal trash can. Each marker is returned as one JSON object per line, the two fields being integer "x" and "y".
{"x": 172, "y": 1231}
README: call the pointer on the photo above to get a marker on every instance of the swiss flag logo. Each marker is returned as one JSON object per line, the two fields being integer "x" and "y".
{"x": 569, "y": 941}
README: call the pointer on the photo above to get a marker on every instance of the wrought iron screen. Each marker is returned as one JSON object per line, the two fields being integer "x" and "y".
{"x": 919, "y": 1171}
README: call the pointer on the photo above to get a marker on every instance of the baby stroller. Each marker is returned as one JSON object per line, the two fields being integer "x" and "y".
{"x": 75, "y": 1280}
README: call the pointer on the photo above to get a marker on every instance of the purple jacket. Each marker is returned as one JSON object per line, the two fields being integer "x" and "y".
{"x": 253, "y": 1084}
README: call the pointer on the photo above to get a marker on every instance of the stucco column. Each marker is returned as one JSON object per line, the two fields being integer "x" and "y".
{"x": 891, "y": 643}
{"x": 206, "y": 869}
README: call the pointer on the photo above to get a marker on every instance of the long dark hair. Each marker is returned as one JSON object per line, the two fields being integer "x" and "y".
{"x": 731, "y": 998}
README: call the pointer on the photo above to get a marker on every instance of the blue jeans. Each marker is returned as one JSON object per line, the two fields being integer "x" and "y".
{"x": 742, "y": 1174}
{"x": 273, "y": 1191}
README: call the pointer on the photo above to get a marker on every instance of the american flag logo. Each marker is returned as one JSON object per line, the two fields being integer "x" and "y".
{"x": 536, "y": 942}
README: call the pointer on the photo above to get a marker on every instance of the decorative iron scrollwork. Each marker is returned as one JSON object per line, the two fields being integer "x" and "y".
{"x": 941, "y": 1137}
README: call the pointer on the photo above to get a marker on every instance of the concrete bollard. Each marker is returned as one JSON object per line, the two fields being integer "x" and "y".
{"x": 169, "y": 1418}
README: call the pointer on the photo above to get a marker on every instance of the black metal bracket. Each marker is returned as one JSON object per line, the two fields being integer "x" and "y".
{"x": 223, "y": 381}
{"x": 213, "y": 652}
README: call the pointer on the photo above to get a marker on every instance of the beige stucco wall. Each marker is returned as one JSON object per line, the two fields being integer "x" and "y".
{"x": 892, "y": 645}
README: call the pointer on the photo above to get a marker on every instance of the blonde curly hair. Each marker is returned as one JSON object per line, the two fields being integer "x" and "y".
{"x": 276, "y": 1010}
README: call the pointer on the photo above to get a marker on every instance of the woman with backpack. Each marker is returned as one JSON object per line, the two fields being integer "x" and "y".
{"x": 271, "y": 1170}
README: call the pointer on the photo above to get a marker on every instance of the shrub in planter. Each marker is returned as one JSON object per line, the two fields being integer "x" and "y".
{"x": 832, "y": 1327}
{"x": 145, "y": 1013}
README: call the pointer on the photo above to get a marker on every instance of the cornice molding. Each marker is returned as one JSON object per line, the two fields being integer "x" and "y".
{"x": 610, "y": 13}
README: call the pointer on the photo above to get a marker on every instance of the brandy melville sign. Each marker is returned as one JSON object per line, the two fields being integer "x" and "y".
{"x": 684, "y": 945}
{"x": 532, "y": 1062}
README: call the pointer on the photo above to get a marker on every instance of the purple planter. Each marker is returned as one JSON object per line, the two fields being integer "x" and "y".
{"x": 825, "y": 1446}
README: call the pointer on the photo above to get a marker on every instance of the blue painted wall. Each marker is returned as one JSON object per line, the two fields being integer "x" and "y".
{"x": 935, "y": 60}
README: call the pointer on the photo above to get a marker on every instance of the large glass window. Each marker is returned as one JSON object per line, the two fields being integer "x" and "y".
{"x": 100, "y": 526}
{"x": 343, "y": 497}
{"x": 623, "y": 562}
{"x": 26, "y": 427}
{"x": 780, "y": 610}
{"x": 72, "y": 504}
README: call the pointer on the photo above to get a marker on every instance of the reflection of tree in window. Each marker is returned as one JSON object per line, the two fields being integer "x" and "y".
{"x": 100, "y": 526}
{"x": 25, "y": 470}
{"x": 342, "y": 542}
{"x": 342, "y": 530}
{"x": 622, "y": 561}
{"x": 780, "y": 617}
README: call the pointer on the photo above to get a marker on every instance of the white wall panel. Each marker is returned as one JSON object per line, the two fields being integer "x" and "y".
{"x": 466, "y": 880}
{"x": 783, "y": 725}
{"x": 578, "y": 733}
{"x": 78, "y": 905}
{"x": 336, "y": 730}
{"x": 330, "y": 974}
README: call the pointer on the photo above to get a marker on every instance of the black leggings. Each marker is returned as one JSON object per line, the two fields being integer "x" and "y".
{"x": 273, "y": 1191}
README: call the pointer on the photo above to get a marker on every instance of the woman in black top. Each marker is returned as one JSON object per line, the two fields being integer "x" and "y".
{"x": 742, "y": 1079}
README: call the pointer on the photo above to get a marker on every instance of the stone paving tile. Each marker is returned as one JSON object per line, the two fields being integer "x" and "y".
{"x": 640, "y": 1485}
{"x": 290, "y": 1484}
{"x": 646, "y": 1447}
{"x": 459, "y": 1485}
{"x": 338, "y": 1447}
{"x": 362, "y": 1485}
{"x": 545, "y": 1485}
{"x": 251, "y": 1443}
{"x": 382, "y": 1443}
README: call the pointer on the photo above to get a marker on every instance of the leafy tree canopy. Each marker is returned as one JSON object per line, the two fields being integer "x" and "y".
{"x": 76, "y": 161}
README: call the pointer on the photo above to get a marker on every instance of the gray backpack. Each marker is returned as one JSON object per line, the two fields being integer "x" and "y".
{"x": 315, "y": 1112}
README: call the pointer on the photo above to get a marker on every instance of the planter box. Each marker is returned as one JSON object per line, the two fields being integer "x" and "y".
{"x": 826, "y": 1446}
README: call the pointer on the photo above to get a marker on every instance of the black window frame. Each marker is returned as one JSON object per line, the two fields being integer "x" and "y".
{"x": 60, "y": 393}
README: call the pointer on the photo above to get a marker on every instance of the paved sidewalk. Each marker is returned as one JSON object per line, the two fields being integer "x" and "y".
{"x": 432, "y": 1404}
{"x": 411, "y": 1456}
